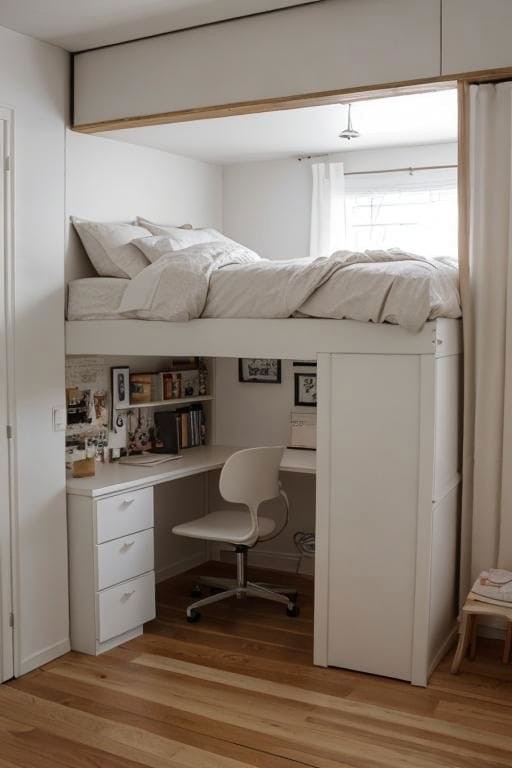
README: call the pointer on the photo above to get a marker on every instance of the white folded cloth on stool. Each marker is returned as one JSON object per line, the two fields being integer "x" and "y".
{"x": 493, "y": 586}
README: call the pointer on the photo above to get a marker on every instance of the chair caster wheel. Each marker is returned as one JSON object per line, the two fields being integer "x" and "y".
{"x": 193, "y": 616}
{"x": 293, "y": 611}
{"x": 196, "y": 591}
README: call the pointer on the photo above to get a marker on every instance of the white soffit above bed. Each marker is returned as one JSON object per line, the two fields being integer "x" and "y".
{"x": 77, "y": 25}
{"x": 426, "y": 118}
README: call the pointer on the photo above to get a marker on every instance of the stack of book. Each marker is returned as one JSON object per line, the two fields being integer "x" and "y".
{"x": 182, "y": 428}
{"x": 494, "y": 587}
{"x": 191, "y": 426}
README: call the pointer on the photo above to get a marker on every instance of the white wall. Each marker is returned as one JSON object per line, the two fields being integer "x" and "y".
{"x": 34, "y": 81}
{"x": 248, "y": 414}
{"x": 267, "y": 204}
{"x": 113, "y": 181}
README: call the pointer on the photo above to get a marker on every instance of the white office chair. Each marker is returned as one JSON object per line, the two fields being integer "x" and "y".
{"x": 249, "y": 477}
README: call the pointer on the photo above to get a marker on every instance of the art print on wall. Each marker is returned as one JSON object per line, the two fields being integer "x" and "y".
{"x": 120, "y": 388}
{"x": 259, "y": 370}
{"x": 305, "y": 389}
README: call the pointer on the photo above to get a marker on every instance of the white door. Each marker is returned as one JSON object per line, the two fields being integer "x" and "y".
{"x": 6, "y": 630}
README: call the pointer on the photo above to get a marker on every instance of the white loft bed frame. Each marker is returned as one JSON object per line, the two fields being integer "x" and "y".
{"x": 388, "y": 410}
{"x": 297, "y": 338}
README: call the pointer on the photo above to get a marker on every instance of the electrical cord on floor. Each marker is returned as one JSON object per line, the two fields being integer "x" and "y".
{"x": 305, "y": 543}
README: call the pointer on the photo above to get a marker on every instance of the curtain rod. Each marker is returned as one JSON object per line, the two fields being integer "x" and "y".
{"x": 408, "y": 169}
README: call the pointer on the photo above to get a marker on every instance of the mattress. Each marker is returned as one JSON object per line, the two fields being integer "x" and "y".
{"x": 207, "y": 281}
{"x": 95, "y": 298}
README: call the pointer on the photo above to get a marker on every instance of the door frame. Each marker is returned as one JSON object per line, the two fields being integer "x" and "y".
{"x": 7, "y": 407}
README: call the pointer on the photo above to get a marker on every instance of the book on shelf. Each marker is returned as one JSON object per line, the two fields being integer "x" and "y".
{"x": 186, "y": 425}
{"x": 178, "y": 384}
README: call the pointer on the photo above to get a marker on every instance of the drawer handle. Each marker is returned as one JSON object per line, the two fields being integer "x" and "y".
{"x": 128, "y": 500}
{"x": 127, "y": 546}
{"x": 127, "y": 595}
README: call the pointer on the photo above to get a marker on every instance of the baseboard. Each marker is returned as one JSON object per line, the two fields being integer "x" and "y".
{"x": 180, "y": 566}
{"x": 444, "y": 648}
{"x": 43, "y": 657}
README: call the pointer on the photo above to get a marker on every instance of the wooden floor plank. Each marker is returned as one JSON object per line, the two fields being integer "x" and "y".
{"x": 238, "y": 690}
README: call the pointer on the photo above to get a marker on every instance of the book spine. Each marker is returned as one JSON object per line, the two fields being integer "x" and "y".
{"x": 178, "y": 431}
{"x": 184, "y": 427}
{"x": 156, "y": 387}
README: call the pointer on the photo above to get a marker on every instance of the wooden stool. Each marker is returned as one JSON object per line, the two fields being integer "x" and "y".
{"x": 471, "y": 610}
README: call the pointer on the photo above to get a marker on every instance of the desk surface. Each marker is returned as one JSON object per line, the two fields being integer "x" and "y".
{"x": 116, "y": 478}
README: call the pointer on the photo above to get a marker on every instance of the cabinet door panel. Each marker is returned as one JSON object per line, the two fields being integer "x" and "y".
{"x": 317, "y": 48}
{"x": 125, "y": 558}
{"x": 125, "y": 606}
{"x": 476, "y": 35}
{"x": 123, "y": 514}
{"x": 373, "y": 511}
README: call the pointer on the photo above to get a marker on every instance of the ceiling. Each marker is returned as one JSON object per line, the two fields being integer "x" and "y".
{"x": 426, "y": 118}
{"x": 81, "y": 24}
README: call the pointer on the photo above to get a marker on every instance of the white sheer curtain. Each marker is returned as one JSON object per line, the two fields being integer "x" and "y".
{"x": 327, "y": 209}
{"x": 486, "y": 286}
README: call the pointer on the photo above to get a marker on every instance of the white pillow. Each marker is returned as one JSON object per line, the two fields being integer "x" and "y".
{"x": 160, "y": 245}
{"x": 178, "y": 238}
{"x": 108, "y": 246}
{"x": 159, "y": 229}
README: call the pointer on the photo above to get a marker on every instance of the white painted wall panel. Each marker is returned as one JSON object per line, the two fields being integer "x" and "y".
{"x": 34, "y": 81}
{"x": 476, "y": 35}
{"x": 112, "y": 181}
{"x": 267, "y": 204}
{"x": 331, "y": 45}
{"x": 248, "y": 414}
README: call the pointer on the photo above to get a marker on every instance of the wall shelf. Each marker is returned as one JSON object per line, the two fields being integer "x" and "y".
{"x": 173, "y": 401}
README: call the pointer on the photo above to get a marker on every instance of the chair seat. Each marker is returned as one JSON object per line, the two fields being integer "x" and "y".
{"x": 232, "y": 526}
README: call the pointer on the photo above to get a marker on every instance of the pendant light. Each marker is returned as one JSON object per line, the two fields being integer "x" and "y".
{"x": 349, "y": 132}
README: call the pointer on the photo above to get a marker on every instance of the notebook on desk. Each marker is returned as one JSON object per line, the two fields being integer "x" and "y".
{"x": 149, "y": 459}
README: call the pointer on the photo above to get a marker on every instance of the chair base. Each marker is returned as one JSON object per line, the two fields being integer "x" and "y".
{"x": 216, "y": 582}
{"x": 251, "y": 589}
{"x": 241, "y": 588}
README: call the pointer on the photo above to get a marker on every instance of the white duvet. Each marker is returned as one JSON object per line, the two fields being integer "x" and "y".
{"x": 227, "y": 280}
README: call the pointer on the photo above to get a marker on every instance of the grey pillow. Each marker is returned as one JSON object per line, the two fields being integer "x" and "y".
{"x": 108, "y": 246}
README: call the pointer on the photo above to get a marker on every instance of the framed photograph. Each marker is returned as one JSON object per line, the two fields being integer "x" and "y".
{"x": 259, "y": 369}
{"x": 120, "y": 388}
{"x": 305, "y": 389}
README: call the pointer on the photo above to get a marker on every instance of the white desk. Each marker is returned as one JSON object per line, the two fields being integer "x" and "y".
{"x": 111, "y": 544}
{"x": 117, "y": 478}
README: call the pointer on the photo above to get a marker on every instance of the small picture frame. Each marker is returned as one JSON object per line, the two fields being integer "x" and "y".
{"x": 120, "y": 388}
{"x": 259, "y": 370}
{"x": 305, "y": 389}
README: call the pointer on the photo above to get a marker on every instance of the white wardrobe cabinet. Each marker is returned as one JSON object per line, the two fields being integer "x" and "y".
{"x": 387, "y": 511}
{"x": 476, "y": 35}
{"x": 111, "y": 568}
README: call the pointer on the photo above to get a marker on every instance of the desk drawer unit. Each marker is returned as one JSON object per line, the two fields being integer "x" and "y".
{"x": 111, "y": 568}
{"x": 122, "y": 559}
{"x": 123, "y": 514}
{"x": 125, "y": 606}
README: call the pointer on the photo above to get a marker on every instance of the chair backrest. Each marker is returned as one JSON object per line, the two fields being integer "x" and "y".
{"x": 251, "y": 476}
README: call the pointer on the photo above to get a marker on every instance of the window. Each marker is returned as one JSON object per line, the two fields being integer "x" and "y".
{"x": 415, "y": 211}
